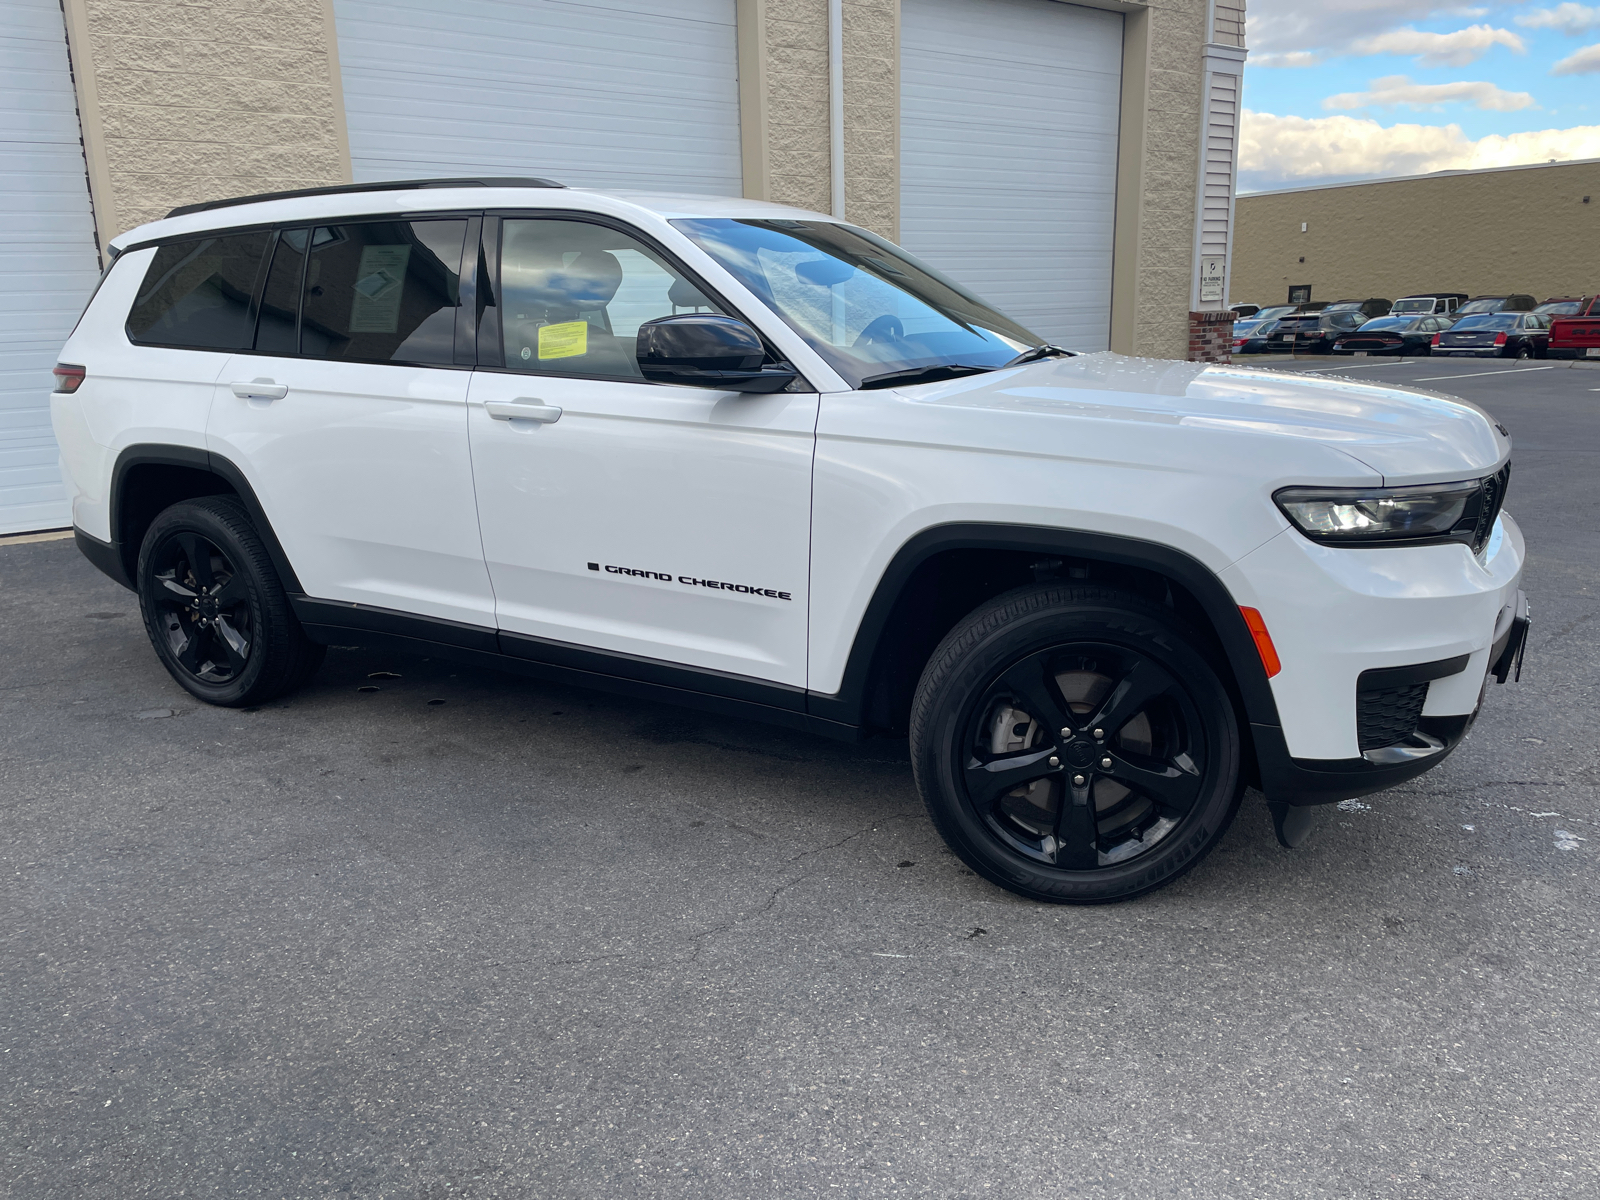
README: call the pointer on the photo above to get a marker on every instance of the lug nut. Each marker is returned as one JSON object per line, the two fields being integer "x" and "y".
{"x": 1066, "y": 731}
{"x": 1099, "y": 734}
{"x": 1105, "y": 763}
{"x": 1055, "y": 762}
{"x": 1077, "y": 781}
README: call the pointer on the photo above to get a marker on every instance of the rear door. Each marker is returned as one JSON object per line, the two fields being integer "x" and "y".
{"x": 349, "y": 418}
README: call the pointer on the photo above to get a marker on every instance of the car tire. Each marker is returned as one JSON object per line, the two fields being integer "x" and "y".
{"x": 214, "y": 608}
{"x": 1523, "y": 353}
{"x": 1015, "y": 694}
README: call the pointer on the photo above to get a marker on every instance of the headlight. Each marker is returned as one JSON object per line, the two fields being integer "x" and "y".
{"x": 1432, "y": 512}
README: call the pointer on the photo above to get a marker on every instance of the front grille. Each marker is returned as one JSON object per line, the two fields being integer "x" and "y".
{"x": 1388, "y": 716}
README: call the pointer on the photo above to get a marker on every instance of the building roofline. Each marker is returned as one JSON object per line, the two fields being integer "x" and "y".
{"x": 1321, "y": 187}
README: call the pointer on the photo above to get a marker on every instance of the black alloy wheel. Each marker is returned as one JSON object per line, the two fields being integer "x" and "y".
{"x": 1073, "y": 745}
{"x": 1523, "y": 352}
{"x": 214, "y": 609}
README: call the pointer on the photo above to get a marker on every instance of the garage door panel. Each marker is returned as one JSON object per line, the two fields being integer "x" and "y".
{"x": 1009, "y": 117}
{"x": 642, "y": 93}
{"x": 48, "y": 262}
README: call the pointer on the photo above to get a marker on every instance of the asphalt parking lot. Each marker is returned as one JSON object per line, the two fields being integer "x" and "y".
{"x": 537, "y": 942}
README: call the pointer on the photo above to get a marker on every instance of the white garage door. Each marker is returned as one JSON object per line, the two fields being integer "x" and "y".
{"x": 48, "y": 262}
{"x": 590, "y": 93}
{"x": 1008, "y": 155}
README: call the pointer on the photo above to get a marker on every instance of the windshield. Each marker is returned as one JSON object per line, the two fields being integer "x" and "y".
{"x": 1413, "y": 306}
{"x": 1489, "y": 304}
{"x": 1277, "y": 310}
{"x": 1486, "y": 321}
{"x": 860, "y": 301}
{"x": 1390, "y": 323}
{"x": 1347, "y": 306}
{"x": 1562, "y": 308}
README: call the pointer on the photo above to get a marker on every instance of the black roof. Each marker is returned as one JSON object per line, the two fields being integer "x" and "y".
{"x": 386, "y": 185}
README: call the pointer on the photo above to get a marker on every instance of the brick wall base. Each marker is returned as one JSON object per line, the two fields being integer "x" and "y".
{"x": 1211, "y": 337}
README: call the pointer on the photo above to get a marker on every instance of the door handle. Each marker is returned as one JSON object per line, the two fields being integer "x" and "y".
{"x": 522, "y": 410}
{"x": 260, "y": 389}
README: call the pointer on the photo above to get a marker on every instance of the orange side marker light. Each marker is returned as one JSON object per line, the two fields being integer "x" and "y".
{"x": 1264, "y": 646}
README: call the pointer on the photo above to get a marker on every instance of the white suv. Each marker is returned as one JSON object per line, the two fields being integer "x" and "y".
{"x": 751, "y": 459}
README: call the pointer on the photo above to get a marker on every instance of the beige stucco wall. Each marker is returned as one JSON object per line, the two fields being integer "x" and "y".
{"x": 1521, "y": 229}
{"x": 786, "y": 42}
{"x": 206, "y": 99}
{"x": 1164, "y": 205}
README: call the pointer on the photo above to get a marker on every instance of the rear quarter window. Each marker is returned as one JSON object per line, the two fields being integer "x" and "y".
{"x": 196, "y": 293}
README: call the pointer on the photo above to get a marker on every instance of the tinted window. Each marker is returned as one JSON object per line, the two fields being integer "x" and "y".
{"x": 1390, "y": 323}
{"x": 1565, "y": 308}
{"x": 574, "y": 294}
{"x": 382, "y": 291}
{"x": 197, "y": 293}
{"x": 1486, "y": 321}
{"x": 1279, "y": 310}
{"x": 277, "y": 331}
{"x": 1489, "y": 304}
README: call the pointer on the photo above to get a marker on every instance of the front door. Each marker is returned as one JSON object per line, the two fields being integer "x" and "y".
{"x": 349, "y": 418}
{"x": 651, "y": 520}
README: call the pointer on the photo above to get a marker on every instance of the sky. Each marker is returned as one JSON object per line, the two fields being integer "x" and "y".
{"x": 1363, "y": 89}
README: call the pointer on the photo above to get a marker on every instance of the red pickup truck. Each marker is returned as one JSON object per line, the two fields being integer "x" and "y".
{"x": 1579, "y": 336}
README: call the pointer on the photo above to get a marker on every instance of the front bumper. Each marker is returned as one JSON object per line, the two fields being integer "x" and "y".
{"x": 1356, "y": 619}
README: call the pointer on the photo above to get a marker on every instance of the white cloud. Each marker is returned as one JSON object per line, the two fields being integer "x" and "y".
{"x": 1289, "y": 58}
{"x": 1570, "y": 19}
{"x": 1441, "y": 49}
{"x": 1278, "y": 27}
{"x": 1584, "y": 62}
{"x": 1393, "y": 91}
{"x": 1277, "y": 150}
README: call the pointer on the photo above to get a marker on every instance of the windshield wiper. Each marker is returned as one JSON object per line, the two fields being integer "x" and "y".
{"x": 1036, "y": 353}
{"x": 922, "y": 375}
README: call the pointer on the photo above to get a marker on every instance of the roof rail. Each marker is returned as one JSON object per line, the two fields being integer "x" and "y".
{"x": 385, "y": 185}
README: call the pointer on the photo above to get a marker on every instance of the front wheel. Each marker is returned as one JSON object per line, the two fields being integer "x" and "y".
{"x": 1074, "y": 746}
{"x": 214, "y": 608}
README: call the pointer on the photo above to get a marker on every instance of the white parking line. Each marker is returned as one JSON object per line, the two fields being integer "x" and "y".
{"x": 1476, "y": 374}
{"x": 1398, "y": 363}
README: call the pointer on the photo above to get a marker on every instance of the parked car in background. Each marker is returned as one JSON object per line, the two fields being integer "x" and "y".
{"x": 1367, "y": 308}
{"x": 1515, "y": 302}
{"x": 1563, "y": 306}
{"x": 1314, "y": 333}
{"x": 1576, "y": 336}
{"x": 1250, "y": 337}
{"x": 1495, "y": 335}
{"x": 1245, "y": 310}
{"x": 1393, "y": 334}
{"x": 1427, "y": 304}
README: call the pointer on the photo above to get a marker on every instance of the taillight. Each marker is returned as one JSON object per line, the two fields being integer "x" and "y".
{"x": 1436, "y": 339}
{"x": 68, "y": 378}
{"x": 1499, "y": 339}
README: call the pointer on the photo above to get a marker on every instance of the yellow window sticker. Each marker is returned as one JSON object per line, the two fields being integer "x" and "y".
{"x": 566, "y": 340}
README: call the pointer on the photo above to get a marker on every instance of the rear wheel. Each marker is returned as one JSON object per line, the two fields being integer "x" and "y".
{"x": 1523, "y": 352}
{"x": 1073, "y": 745}
{"x": 214, "y": 608}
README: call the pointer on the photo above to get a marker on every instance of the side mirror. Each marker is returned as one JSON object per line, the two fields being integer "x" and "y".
{"x": 708, "y": 350}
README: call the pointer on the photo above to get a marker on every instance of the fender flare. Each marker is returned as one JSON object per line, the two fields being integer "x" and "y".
{"x": 193, "y": 457}
{"x": 1255, "y": 692}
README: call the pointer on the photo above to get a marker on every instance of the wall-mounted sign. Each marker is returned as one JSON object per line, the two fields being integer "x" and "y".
{"x": 1300, "y": 294}
{"x": 1213, "y": 283}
